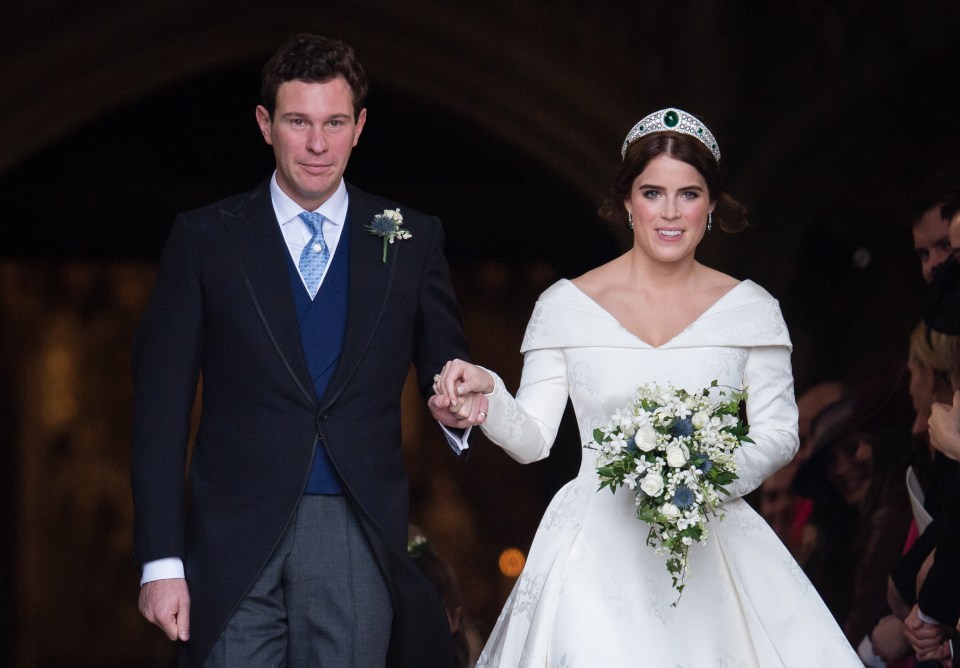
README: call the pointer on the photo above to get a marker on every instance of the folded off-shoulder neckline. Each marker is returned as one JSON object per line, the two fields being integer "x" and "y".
{"x": 706, "y": 312}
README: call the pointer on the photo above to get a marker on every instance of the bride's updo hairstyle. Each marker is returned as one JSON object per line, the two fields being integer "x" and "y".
{"x": 692, "y": 144}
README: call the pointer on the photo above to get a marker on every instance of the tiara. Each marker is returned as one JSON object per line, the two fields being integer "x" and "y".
{"x": 672, "y": 120}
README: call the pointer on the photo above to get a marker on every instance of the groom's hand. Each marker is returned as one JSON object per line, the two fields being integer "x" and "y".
{"x": 166, "y": 603}
{"x": 470, "y": 411}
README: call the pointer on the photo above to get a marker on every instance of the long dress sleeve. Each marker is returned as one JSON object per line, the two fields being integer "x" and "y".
{"x": 526, "y": 426}
{"x": 772, "y": 416}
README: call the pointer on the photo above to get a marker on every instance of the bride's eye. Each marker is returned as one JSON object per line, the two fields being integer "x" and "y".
{"x": 650, "y": 194}
{"x": 690, "y": 194}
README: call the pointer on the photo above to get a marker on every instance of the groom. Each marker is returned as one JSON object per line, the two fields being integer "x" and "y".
{"x": 286, "y": 543}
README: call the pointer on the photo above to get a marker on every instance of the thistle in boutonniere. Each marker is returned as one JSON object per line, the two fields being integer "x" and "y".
{"x": 386, "y": 225}
{"x": 674, "y": 450}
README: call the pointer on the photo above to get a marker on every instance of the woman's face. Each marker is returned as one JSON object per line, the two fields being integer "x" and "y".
{"x": 669, "y": 203}
{"x": 851, "y": 468}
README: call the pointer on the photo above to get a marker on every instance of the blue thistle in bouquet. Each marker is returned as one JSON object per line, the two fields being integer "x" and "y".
{"x": 674, "y": 450}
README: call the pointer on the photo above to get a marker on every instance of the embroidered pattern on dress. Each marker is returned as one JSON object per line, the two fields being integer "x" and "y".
{"x": 567, "y": 509}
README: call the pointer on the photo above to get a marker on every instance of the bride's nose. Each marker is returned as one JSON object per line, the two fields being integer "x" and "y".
{"x": 670, "y": 210}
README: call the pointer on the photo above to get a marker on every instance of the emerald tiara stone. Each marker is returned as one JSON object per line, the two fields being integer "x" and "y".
{"x": 672, "y": 120}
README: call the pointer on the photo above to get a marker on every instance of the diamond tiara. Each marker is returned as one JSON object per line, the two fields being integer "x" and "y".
{"x": 672, "y": 120}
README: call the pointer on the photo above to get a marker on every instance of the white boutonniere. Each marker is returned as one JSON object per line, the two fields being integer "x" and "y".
{"x": 386, "y": 225}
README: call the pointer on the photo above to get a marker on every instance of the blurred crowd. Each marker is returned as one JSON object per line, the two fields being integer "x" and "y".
{"x": 870, "y": 506}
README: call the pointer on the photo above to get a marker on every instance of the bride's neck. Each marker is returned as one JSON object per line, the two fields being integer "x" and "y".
{"x": 661, "y": 275}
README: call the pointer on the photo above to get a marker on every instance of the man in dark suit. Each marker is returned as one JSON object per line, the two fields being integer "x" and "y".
{"x": 289, "y": 547}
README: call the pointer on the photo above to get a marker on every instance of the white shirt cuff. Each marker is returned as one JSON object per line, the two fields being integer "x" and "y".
{"x": 457, "y": 443}
{"x": 926, "y": 619}
{"x": 168, "y": 568}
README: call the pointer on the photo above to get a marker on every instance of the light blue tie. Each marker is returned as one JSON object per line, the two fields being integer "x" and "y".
{"x": 315, "y": 255}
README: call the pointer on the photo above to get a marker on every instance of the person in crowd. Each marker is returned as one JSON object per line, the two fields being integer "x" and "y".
{"x": 593, "y": 591}
{"x": 810, "y": 405}
{"x": 786, "y": 512}
{"x": 944, "y": 417}
{"x": 439, "y": 573}
{"x": 863, "y": 458}
{"x": 302, "y": 303}
{"x": 936, "y": 477}
{"x": 933, "y": 621}
{"x": 928, "y": 224}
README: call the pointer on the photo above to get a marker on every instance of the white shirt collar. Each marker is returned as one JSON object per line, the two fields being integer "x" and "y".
{"x": 333, "y": 209}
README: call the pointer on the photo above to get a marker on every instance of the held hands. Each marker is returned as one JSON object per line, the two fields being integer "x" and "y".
{"x": 458, "y": 399}
{"x": 929, "y": 641}
{"x": 166, "y": 603}
{"x": 944, "y": 426}
{"x": 889, "y": 639}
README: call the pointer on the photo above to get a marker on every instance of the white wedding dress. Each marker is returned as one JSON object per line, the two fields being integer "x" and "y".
{"x": 593, "y": 593}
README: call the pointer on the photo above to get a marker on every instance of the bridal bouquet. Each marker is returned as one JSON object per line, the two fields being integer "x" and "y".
{"x": 674, "y": 450}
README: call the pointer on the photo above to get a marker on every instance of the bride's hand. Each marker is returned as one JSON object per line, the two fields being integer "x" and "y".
{"x": 458, "y": 379}
{"x": 459, "y": 389}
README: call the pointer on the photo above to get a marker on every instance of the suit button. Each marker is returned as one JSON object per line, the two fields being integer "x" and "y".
{"x": 323, "y": 417}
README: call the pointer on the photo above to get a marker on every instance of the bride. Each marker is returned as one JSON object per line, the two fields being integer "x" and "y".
{"x": 593, "y": 592}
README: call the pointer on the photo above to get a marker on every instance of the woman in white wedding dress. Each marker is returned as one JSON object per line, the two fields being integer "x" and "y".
{"x": 593, "y": 593}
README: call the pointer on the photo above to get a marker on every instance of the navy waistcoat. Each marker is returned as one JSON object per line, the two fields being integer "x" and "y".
{"x": 323, "y": 322}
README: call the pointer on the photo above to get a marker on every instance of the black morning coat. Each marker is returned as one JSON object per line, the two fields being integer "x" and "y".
{"x": 222, "y": 307}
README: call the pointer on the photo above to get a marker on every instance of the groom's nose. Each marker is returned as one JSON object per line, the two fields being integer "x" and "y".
{"x": 316, "y": 141}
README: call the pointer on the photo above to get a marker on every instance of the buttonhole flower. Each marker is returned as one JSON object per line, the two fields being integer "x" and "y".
{"x": 386, "y": 225}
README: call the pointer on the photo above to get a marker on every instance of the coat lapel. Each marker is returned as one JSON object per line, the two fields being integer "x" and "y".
{"x": 262, "y": 256}
{"x": 369, "y": 289}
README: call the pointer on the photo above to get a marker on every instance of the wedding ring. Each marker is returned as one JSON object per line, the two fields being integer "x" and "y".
{"x": 483, "y": 415}
{"x": 436, "y": 378}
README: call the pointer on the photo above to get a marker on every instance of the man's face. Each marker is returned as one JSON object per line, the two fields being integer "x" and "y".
{"x": 930, "y": 241}
{"x": 954, "y": 235}
{"x": 312, "y": 132}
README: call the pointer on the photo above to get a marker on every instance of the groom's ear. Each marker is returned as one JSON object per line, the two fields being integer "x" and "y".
{"x": 264, "y": 122}
{"x": 360, "y": 122}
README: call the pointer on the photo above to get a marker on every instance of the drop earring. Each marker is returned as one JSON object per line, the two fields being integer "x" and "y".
{"x": 709, "y": 220}
{"x": 630, "y": 220}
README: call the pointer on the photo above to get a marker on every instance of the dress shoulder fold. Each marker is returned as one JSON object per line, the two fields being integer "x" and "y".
{"x": 565, "y": 317}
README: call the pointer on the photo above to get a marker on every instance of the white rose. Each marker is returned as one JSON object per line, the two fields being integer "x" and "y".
{"x": 676, "y": 457}
{"x": 646, "y": 438}
{"x": 669, "y": 511}
{"x": 617, "y": 444}
{"x": 700, "y": 419}
{"x": 652, "y": 484}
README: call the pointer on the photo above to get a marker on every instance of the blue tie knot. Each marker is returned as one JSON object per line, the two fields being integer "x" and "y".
{"x": 314, "y": 221}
